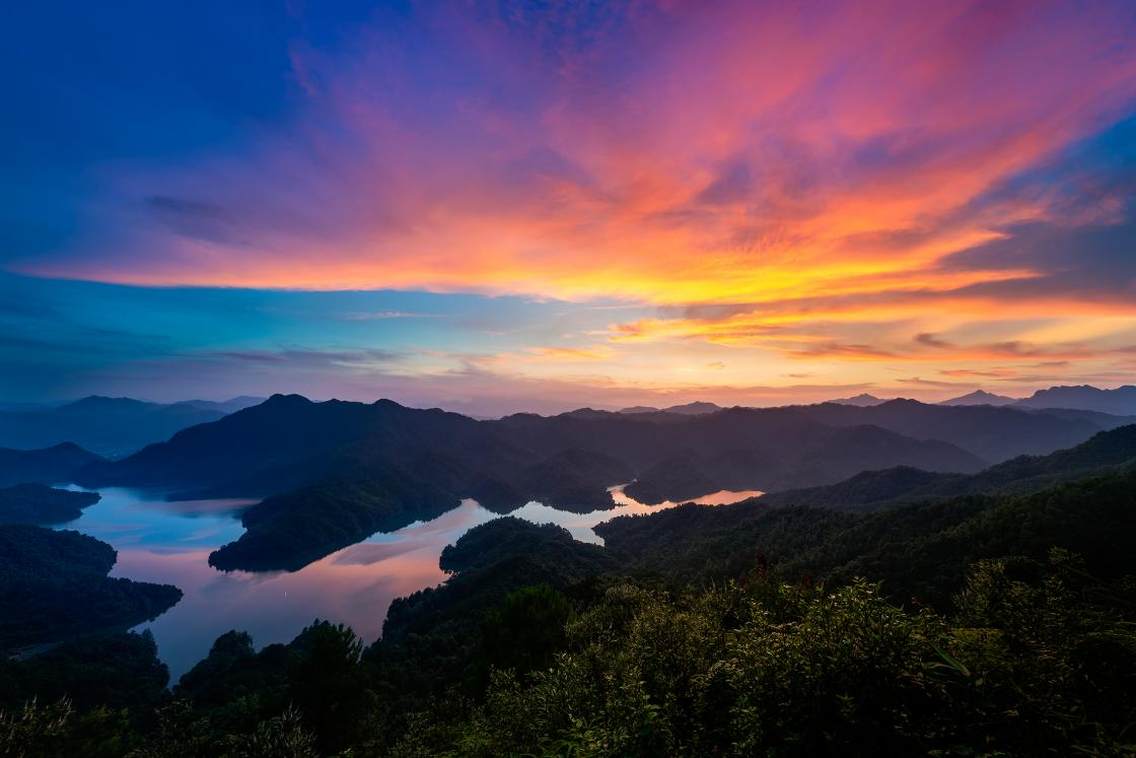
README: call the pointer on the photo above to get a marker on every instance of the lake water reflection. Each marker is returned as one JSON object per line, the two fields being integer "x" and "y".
{"x": 159, "y": 541}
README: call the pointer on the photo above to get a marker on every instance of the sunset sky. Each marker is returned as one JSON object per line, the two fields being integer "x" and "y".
{"x": 522, "y": 205}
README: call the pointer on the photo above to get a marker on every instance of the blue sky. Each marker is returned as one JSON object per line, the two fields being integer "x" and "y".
{"x": 523, "y": 205}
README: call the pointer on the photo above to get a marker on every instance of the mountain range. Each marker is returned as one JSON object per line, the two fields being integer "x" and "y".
{"x": 334, "y": 472}
{"x": 110, "y": 426}
{"x": 1120, "y": 401}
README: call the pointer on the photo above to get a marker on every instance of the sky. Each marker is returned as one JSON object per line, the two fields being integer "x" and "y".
{"x": 497, "y": 206}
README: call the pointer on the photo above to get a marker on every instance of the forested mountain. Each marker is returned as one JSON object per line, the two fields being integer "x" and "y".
{"x": 1003, "y": 621}
{"x": 870, "y": 490}
{"x": 52, "y": 465}
{"x": 110, "y": 426}
{"x": 992, "y": 433}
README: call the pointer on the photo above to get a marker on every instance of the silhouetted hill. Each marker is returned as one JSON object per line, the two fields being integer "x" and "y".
{"x": 54, "y": 585}
{"x": 1120, "y": 401}
{"x": 40, "y": 504}
{"x": 52, "y": 465}
{"x": 980, "y": 397}
{"x": 110, "y": 426}
{"x": 289, "y": 441}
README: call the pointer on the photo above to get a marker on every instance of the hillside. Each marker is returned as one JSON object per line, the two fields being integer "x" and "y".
{"x": 54, "y": 585}
{"x": 921, "y": 549}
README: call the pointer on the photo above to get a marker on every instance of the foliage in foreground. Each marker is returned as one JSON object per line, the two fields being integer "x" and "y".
{"x": 1038, "y": 658}
{"x": 1037, "y": 661}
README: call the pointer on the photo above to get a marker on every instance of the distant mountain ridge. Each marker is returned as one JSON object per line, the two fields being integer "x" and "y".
{"x": 1120, "y": 401}
{"x": 697, "y": 408}
{"x": 334, "y": 472}
{"x": 993, "y": 434}
{"x": 111, "y": 426}
{"x": 863, "y": 400}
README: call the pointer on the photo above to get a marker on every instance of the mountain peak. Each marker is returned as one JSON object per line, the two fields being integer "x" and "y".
{"x": 697, "y": 408}
{"x": 979, "y": 397}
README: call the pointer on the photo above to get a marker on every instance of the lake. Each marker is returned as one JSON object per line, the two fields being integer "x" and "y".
{"x": 170, "y": 542}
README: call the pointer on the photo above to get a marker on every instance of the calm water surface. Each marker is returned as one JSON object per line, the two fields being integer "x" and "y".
{"x": 158, "y": 541}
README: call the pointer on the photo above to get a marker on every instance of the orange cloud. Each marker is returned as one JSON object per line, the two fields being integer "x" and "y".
{"x": 799, "y": 184}
{"x": 749, "y": 151}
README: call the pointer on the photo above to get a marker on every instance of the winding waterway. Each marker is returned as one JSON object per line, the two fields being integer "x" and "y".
{"x": 159, "y": 541}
